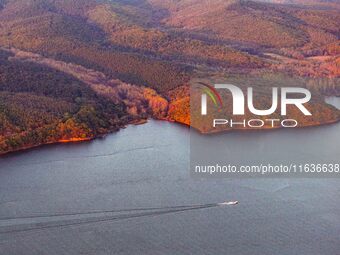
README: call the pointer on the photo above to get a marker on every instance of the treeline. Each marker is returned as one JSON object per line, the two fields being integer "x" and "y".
{"x": 131, "y": 32}
{"x": 60, "y": 35}
{"x": 41, "y": 105}
{"x": 130, "y": 68}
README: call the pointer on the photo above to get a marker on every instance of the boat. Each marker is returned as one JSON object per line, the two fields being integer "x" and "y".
{"x": 228, "y": 203}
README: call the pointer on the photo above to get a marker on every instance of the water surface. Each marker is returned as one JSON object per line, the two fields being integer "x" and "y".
{"x": 147, "y": 166}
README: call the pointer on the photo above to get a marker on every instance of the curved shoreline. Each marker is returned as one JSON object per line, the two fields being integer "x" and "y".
{"x": 81, "y": 140}
{"x": 29, "y": 147}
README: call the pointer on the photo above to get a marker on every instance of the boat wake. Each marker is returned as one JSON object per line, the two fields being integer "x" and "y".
{"x": 60, "y": 220}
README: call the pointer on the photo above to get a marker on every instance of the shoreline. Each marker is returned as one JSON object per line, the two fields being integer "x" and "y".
{"x": 64, "y": 141}
{"x": 145, "y": 121}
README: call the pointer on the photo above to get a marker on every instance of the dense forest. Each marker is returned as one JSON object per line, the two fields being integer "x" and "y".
{"x": 77, "y": 69}
{"x": 41, "y": 105}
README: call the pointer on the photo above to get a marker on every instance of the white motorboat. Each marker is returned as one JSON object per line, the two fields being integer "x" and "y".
{"x": 228, "y": 203}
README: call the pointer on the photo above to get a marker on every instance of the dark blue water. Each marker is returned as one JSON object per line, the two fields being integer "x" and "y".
{"x": 147, "y": 166}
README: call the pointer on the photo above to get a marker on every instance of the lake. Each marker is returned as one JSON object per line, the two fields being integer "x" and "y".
{"x": 131, "y": 193}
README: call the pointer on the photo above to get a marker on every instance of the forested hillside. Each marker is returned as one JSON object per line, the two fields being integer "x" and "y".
{"x": 41, "y": 105}
{"x": 76, "y": 69}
